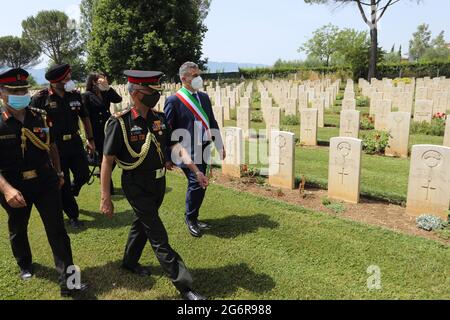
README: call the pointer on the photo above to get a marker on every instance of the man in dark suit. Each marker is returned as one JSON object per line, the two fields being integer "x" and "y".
{"x": 190, "y": 115}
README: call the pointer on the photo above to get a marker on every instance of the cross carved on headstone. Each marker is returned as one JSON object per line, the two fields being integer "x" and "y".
{"x": 429, "y": 188}
{"x": 342, "y": 174}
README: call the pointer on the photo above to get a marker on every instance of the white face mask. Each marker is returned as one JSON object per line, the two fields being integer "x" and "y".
{"x": 70, "y": 86}
{"x": 197, "y": 83}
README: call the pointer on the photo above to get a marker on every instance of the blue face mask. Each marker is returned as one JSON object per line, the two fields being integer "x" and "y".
{"x": 19, "y": 102}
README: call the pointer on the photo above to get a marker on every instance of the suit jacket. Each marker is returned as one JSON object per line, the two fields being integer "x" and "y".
{"x": 180, "y": 117}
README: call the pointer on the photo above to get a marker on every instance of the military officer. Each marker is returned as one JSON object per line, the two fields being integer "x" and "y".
{"x": 64, "y": 107}
{"x": 30, "y": 174}
{"x": 136, "y": 140}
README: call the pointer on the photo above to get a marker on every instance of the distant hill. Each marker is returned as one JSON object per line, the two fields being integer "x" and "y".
{"x": 214, "y": 66}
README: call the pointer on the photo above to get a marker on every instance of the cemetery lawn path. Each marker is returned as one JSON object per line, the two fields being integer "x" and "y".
{"x": 259, "y": 248}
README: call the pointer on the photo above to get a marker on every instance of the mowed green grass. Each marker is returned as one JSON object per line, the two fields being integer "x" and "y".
{"x": 259, "y": 248}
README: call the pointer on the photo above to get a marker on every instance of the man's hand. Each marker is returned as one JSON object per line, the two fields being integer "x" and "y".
{"x": 202, "y": 180}
{"x": 169, "y": 165}
{"x": 90, "y": 146}
{"x": 223, "y": 154}
{"x": 14, "y": 198}
{"x": 107, "y": 207}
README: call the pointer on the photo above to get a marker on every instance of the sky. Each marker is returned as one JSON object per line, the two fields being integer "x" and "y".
{"x": 262, "y": 31}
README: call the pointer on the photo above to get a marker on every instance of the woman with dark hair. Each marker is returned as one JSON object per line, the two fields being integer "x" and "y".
{"x": 97, "y": 99}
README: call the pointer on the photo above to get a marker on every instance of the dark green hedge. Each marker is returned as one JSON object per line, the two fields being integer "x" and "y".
{"x": 282, "y": 72}
{"x": 416, "y": 70}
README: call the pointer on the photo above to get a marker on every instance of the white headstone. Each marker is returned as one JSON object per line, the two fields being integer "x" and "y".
{"x": 429, "y": 180}
{"x": 398, "y": 128}
{"x": 243, "y": 120}
{"x": 282, "y": 160}
{"x": 344, "y": 169}
{"x": 233, "y": 143}
{"x": 423, "y": 111}
{"x": 349, "y": 124}
{"x": 308, "y": 127}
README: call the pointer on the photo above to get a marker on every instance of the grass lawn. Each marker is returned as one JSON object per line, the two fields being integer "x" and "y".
{"x": 258, "y": 249}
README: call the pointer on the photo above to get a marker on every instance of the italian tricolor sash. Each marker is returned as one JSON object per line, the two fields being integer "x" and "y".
{"x": 194, "y": 106}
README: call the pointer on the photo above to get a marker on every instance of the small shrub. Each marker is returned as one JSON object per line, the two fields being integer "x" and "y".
{"x": 367, "y": 123}
{"x": 362, "y": 102}
{"x": 326, "y": 201}
{"x": 260, "y": 180}
{"x": 256, "y": 116}
{"x": 375, "y": 142}
{"x": 336, "y": 207}
{"x": 291, "y": 120}
{"x": 429, "y": 223}
{"x": 435, "y": 128}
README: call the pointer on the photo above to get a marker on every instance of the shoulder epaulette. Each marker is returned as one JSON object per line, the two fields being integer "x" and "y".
{"x": 43, "y": 92}
{"x": 121, "y": 113}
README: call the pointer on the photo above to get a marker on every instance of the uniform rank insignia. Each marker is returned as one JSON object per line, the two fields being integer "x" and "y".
{"x": 41, "y": 131}
{"x": 157, "y": 126}
{"x": 136, "y": 130}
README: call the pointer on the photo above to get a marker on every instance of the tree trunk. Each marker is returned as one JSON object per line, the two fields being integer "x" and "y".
{"x": 373, "y": 53}
{"x": 373, "y": 41}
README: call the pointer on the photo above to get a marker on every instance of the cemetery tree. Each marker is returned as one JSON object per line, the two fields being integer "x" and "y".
{"x": 352, "y": 49}
{"x": 55, "y": 34}
{"x": 160, "y": 34}
{"x": 17, "y": 52}
{"x": 420, "y": 42}
{"x": 438, "y": 52}
{"x": 425, "y": 49}
{"x": 371, "y": 12}
{"x": 323, "y": 43}
{"x": 87, "y": 13}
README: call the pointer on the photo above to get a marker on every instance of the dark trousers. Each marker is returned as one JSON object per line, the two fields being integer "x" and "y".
{"x": 145, "y": 196}
{"x": 73, "y": 159}
{"x": 42, "y": 192}
{"x": 194, "y": 194}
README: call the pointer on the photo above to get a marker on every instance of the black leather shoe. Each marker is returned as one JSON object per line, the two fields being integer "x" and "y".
{"x": 139, "y": 270}
{"x": 203, "y": 225}
{"x": 66, "y": 292}
{"x": 194, "y": 229}
{"x": 192, "y": 295}
{"x": 75, "y": 223}
{"x": 26, "y": 273}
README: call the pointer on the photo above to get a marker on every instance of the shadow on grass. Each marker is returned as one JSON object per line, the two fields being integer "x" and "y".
{"x": 101, "y": 279}
{"x": 214, "y": 283}
{"x": 224, "y": 281}
{"x": 233, "y": 226}
{"x": 99, "y": 221}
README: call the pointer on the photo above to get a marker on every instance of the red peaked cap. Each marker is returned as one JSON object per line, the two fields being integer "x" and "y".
{"x": 14, "y": 78}
{"x": 145, "y": 78}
